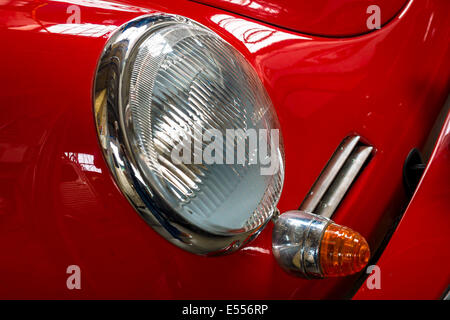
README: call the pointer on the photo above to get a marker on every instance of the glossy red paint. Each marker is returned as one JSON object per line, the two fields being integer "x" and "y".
{"x": 416, "y": 262}
{"x": 341, "y": 18}
{"x": 59, "y": 206}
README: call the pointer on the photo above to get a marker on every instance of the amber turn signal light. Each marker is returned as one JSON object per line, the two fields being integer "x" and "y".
{"x": 342, "y": 251}
{"x": 312, "y": 246}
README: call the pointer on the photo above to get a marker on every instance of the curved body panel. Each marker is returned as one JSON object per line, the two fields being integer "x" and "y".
{"x": 336, "y": 18}
{"x": 415, "y": 262}
{"x": 59, "y": 205}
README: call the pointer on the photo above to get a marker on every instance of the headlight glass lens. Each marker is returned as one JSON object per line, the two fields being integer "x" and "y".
{"x": 186, "y": 81}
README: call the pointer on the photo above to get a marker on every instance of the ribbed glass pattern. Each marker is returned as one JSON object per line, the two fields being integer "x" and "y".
{"x": 342, "y": 251}
{"x": 186, "y": 80}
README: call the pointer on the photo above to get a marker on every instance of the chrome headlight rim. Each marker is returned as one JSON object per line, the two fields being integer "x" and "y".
{"x": 110, "y": 104}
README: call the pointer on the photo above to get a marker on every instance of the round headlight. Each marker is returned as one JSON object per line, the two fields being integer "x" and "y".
{"x": 189, "y": 133}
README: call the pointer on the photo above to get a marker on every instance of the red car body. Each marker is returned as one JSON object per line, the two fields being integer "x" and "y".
{"x": 59, "y": 205}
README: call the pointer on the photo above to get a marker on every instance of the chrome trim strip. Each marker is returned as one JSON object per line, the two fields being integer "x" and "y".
{"x": 337, "y": 177}
{"x": 336, "y": 192}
